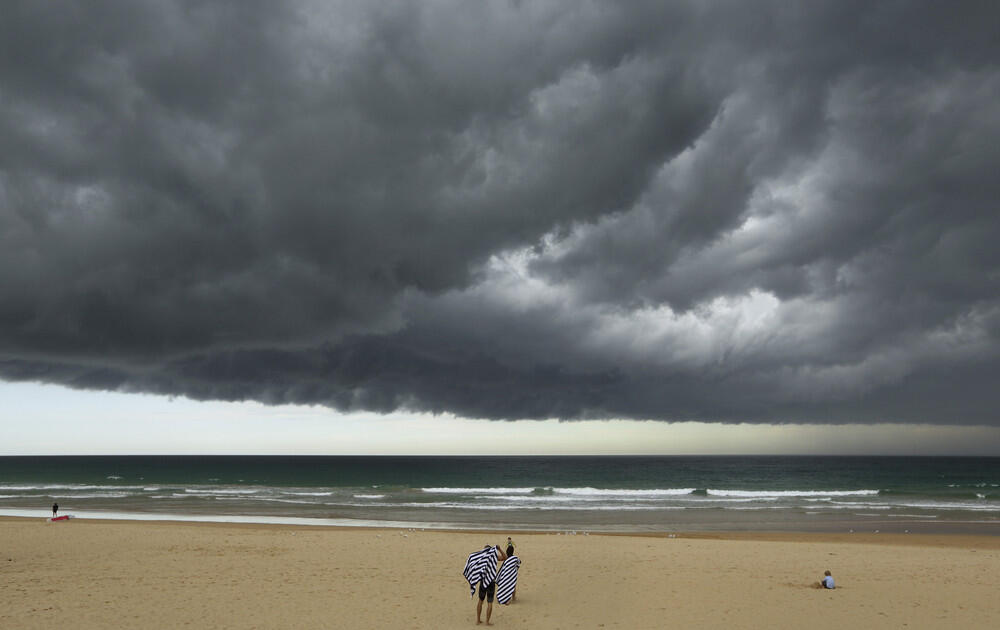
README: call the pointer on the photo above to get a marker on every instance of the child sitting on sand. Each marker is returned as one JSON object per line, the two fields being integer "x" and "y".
{"x": 826, "y": 582}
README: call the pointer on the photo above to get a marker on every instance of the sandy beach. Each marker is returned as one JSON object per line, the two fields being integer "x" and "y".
{"x": 101, "y": 574}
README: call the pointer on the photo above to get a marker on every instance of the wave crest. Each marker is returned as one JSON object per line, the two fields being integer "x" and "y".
{"x": 791, "y": 493}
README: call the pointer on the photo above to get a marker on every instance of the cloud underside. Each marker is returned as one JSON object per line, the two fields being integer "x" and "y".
{"x": 550, "y": 210}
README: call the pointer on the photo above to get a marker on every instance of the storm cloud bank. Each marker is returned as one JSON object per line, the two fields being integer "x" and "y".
{"x": 675, "y": 211}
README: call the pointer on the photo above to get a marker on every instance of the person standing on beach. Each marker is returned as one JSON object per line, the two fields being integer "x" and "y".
{"x": 481, "y": 570}
{"x": 510, "y": 554}
{"x": 507, "y": 580}
{"x": 55, "y": 509}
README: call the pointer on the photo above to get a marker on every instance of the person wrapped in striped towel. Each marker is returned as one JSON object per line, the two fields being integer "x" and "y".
{"x": 481, "y": 569}
{"x": 507, "y": 580}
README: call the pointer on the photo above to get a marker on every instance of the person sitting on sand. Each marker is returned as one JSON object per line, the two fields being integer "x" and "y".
{"x": 827, "y": 581}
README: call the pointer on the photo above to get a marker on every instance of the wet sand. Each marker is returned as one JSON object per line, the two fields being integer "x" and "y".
{"x": 104, "y": 574}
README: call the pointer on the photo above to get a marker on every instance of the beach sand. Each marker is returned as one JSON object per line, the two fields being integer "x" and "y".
{"x": 103, "y": 574}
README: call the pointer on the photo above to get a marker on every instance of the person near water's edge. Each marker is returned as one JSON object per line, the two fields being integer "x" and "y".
{"x": 55, "y": 509}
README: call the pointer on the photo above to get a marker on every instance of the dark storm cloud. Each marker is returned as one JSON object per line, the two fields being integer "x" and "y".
{"x": 731, "y": 212}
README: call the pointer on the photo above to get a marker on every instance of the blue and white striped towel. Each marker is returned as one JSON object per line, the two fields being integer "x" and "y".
{"x": 481, "y": 568}
{"x": 507, "y": 579}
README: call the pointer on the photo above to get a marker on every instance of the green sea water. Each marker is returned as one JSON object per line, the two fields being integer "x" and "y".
{"x": 560, "y": 493}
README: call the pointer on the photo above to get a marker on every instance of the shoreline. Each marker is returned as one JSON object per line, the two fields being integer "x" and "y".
{"x": 936, "y": 539}
{"x": 885, "y": 526}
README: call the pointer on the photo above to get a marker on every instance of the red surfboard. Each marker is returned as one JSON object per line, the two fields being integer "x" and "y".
{"x": 60, "y": 518}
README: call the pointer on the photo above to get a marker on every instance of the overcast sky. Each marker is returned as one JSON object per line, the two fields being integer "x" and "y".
{"x": 738, "y": 213}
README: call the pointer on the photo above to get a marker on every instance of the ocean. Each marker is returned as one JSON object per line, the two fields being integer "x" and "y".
{"x": 616, "y": 494}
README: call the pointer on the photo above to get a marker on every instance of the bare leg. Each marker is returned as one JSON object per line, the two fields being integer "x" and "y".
{"x": 489, "y": 611}
{"x": 479, "y": 613}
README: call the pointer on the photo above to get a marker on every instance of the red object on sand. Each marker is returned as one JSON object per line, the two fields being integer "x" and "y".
{"x": 59, "y": 518}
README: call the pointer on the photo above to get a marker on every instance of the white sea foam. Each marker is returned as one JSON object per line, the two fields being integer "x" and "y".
{"x": 690, "y": 500}
{"x": 552, "y": 498}
{"x": 369, "y": 496}
{"x": 93, "y": 495}
{"x": 233, "y": 518}
{"x": 214, "y": 491}
{"x": 478, "y": 490}
{"x": 791, "y": 493}
{"x": 611, "y": 492}
{"x": 852, "y": 505}
{"x": 70, "y": 486}
{"x": 274, "y": 500}
{"x": 577, "y": 492}
{"x": 728, "y": 500}
{"x": 936, "y": 505}
{"x": 494, "y": 507}
{"x": 761, "y": 507}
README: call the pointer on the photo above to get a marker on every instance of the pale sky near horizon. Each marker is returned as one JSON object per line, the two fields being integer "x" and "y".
{"x": 52, "y": 420}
